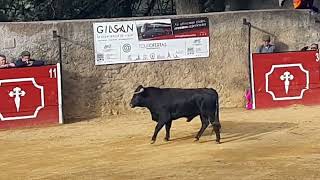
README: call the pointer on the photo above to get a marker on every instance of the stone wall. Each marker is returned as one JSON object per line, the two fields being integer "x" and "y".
{"x": 93, "y": 91}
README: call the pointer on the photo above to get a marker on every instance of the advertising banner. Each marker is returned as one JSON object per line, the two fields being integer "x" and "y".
{"x": 150, "y": 40}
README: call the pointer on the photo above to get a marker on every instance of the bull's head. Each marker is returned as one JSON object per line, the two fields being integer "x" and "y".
{"x": 137, "y": 98}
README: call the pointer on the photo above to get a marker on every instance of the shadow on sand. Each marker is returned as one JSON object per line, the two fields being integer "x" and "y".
{"x": 240, "y": 131}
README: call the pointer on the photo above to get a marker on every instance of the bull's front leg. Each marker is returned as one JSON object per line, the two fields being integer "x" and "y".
{"x": 156, "y": 131}
{"x": 168, "y": 126}
{"x": 163, "y": 119}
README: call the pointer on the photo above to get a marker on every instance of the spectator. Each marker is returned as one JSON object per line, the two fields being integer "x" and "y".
{"x": 4, "y": 63}
{"x": 312, "y": 47}
{"x": 248, "y": 97}
{"x": 302, "y": 4}
{"x": 315, "y": 47}
{"x": 266, "y": 47}
{"x": 25, "y": 60}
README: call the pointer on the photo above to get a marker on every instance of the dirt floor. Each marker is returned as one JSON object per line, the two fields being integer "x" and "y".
{"x": 258, "y": 145}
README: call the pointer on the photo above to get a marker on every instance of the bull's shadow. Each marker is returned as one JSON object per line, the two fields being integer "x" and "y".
{"x": 239, "y": 131}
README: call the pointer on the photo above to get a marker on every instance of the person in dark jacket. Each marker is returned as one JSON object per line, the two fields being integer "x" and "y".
{"x": 25, "y": 60}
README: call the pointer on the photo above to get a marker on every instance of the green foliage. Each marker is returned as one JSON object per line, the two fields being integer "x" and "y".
{"x": 39, "y": 10}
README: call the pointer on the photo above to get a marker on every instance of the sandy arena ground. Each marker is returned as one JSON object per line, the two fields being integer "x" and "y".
{"x": 258, "y": 145}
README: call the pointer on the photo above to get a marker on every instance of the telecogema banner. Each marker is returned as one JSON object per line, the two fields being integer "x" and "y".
{"x": 150, "y": 40}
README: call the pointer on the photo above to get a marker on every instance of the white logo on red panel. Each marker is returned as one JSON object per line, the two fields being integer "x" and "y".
{"x": 23, "y": 88}
{"x": 16, "y": 93}
{"x": 287, "y": 81}
{"x": 286, "y": 77}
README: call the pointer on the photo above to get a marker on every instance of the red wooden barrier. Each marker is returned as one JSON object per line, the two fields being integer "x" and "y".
{"x": 283, "y": 79}
{"x": 30, "y": 96}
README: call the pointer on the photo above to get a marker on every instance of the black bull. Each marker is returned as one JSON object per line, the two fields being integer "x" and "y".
{"x": 169, "y": 104}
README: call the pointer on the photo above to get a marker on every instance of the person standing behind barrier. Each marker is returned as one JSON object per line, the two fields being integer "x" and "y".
{"x": 312, "y": 47}
{"x": 25, "y": 60}
{"x": 302, "y": 4}
{"x": 266, "y": 47}
{"x": 4, "y": 63}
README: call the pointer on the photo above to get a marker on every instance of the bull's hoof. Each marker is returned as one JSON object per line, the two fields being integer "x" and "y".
{"x": 166, "y": 139}
{"x": 196, "y": 140}
{"x": 218, "y": 142}
{"x": 152, "y": 141}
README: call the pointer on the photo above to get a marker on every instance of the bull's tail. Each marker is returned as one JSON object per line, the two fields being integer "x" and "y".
{"x": 215, "y": 119}
{"x": 217, "y": 110}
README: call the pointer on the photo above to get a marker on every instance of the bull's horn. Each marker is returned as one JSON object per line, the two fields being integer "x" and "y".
{"x": 140, "y": 91}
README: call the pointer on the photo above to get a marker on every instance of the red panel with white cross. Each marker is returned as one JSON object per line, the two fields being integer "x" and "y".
{"x": 30, "y": 96}
{"x": 283, "y": 79}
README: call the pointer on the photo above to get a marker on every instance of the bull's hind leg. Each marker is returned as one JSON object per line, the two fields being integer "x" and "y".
{"x": 168, "y": 126}
{"x": 204, "y": 125}
{"x": 216, "y": 128}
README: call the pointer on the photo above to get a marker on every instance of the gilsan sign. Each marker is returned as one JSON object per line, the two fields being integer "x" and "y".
{"x": 115, "y": 28}
{"x": 150, "y": 40}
